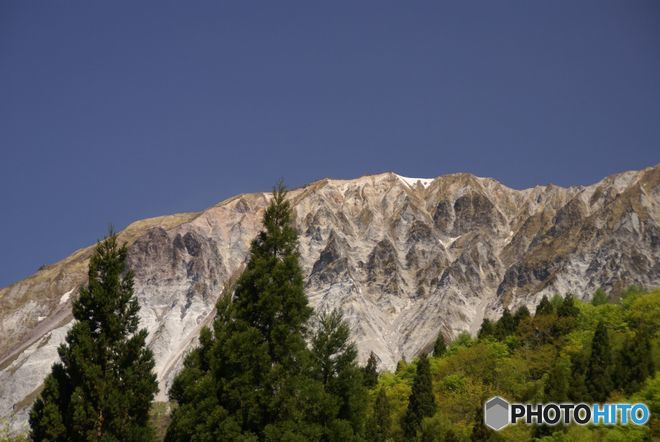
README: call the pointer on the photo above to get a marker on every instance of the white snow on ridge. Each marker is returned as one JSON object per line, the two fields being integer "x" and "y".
{"x": 65, "y": 297}
{"x": 412, "y": 182}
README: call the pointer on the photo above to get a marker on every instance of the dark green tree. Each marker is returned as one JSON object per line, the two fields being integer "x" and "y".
{"x": 558, "y": 382}
{"x": 487, "y": 329}
{"x": 568, "y": 309}
{"x": 401, "y": 365}
{"x": 521, "y": 314}
{"x": 544, "y": 307}
{"x": 505, "y": 326}
{"x": 253, "y": 376}
{"x": 380, "y": 422}
{"x": 480, "y": 432}
{"x": 421, "y": 402}
{"x": 599, "y": 380}
{"x": 578, "y": 391}
{"x": 335, "y": 358}
{"x": 371, "y": 371}
{"x": 600, "y": 297}
{"x": 635, "y": 362}
{"x": 103, "y": 387}
{"x": 440, "y": 346}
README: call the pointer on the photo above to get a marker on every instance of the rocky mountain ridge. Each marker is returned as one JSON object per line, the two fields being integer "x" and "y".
{"x": 403, "y": 258}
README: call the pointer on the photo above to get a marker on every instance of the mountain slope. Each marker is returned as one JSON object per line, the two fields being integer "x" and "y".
{"x": 403, "y": 258}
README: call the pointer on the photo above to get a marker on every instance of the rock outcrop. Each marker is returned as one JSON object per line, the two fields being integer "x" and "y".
{"x": 403, "y": 258}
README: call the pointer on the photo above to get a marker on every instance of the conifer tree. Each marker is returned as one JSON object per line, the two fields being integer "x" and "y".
{"x": 578, "y": 391}
{"x": 544, "y": 307}
{"x": 450, "y": 436}
{"x": 380, "y": 423}
{"x": 371, "y": 371}
{"x": 401, "y": 365}
{"x": 635, "y": 362}
{"x": 247, "y": 377}
{"x": 599, "y": 380}
{"x": 505, "y": 325}
{"x": 440, "y": 346}
{"x": 336, "y": 367}
{"x": 568, "y": 309}
{"x": 521, "y": 314}
{"x": 480, "y": 432}
{"x": 421, "y": 402}
{"x": 104, "y": 384}
{"x": 600, "y": 297}
{"x": 487, "y": 329}
{"x": 557, "y": 385}
{"x": 253, "y": 376}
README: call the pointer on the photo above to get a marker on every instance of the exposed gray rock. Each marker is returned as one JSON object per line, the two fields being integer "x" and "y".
{"x": 403, "y": 258}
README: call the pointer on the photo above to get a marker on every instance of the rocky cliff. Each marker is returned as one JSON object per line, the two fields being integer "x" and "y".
{"x": 403, "y": 258}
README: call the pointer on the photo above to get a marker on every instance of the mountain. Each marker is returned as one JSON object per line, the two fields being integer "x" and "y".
{"x": 404, "y": 259}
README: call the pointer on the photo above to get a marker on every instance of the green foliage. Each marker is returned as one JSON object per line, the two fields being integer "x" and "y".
{"x": 379, "y": 425}
{"x": 335, "y": 365}
{"x": 506, "y": 325}
{"x": 421, "y": 402}
{"x": 521, "y": 314}
{"x": 635, "y": 363}
{"x": 552, "y": 356}
{"x": 6, "y": 434}
{"x": 557, "y": 385}
{"x": 371, "y": 371}
{"x": 556, "y": 302}
{"x": 479, "y": 431}
{"x": 599, "y": 370}
{"x": 104, "y": 384}
{"x": 487, "y": 329}
{"x": 253, "y": 376}
{"x": 600, "y": 298}
{"x": 440, "y": 346}
{"x": 544, "y": 307}
{"x": 568, "y": 309}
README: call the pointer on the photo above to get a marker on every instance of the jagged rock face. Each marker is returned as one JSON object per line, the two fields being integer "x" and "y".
{"x": 404, "y": 259}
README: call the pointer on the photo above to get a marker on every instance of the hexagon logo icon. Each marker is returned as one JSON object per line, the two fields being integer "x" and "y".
{"x": 496, "y": 413}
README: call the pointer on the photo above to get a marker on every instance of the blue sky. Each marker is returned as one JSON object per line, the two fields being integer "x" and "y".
{"x": 116, "y": 111}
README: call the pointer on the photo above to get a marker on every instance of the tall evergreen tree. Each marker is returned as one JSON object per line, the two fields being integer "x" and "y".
{"x": 421, "y": 402}
{"x": 401, "y": 365}
{"x": 505, "y": 325}
{"x": 440, "y": 346}
{"x": 635, "y": 362}
{"x": 103, "y": 387}
{"x": 380, "y": 423}
{"x": 521, "y": 314}
{"x": 480, "y": 432}
{"x": 371, "y": 371}
{"x": 544, "y": 307}
{"x": 578, "y": 391}
{"x": 336, "y": 367}
{"x": 599, "y": 380}
{"x": 253, "y": 376}
{"x": 450, "y": 436}
{"x": 557, "y": 385}
{"x": 487, "y": 329}
{"x": 600, "y": 297}
{"x": 568, "y": 309}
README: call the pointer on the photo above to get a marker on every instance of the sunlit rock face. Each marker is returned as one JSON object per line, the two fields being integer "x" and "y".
{"x": 404, "y": 258}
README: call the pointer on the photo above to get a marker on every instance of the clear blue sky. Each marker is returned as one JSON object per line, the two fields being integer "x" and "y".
{"x": 113, "y": 111}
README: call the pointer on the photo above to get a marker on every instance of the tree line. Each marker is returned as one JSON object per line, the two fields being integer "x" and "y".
{"x": 270, "y": 369}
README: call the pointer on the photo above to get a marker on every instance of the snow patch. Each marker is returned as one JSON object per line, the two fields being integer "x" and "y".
{"x": 412, "y": 182}
{"x": 65, "y": 297}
